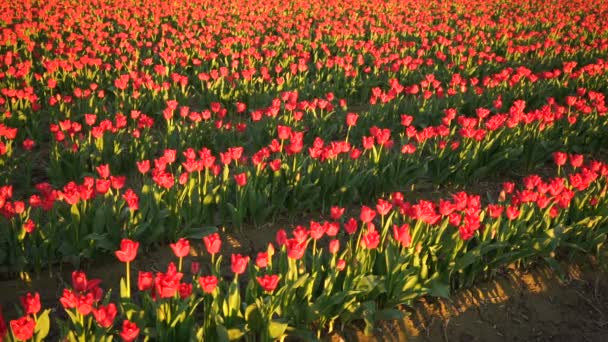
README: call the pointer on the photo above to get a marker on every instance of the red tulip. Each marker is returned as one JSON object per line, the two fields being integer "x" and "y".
{"x": 31, "y": 303}
{"x": 402, "y": 235}
{"x": 239, "y": 263}
{"x": 334, "y": 246}
{"x": 145, "y": 281}
{"x": 213, "y": 243}
{"x": 383, "y": 207}
{"x": 367, "y": 214}
{"x": 181, "y": 248}
{"x": 185, "y": 290}
{"x": 127, "y": 251}
{"x": 351, "y": 226}
{"x": 281, "y": 237}
{"x": 104, "y": 315}
{"x": 261, "y": 260}
{"x": 512, "y": 212}
{"x": 143, "y": 166}
{"x": 132, "y": 199}
{"x": 129, "y": 331}
{"x": 295, "y": 248}
{"x": 241, "y": 179}
{"x": 576, "y": 160}
{"x": 336, "y": 213}
{"x": 23, "y": 328}
{"x": 167, "y": 284}
{"x": 560, "y": 158}
{"x": 208, "y": 284}
{"x": 103, "y": 171}
{"x": 340, "y": 265}
{"x": 80, "y": 283}
{"x": 268, "y": 282}
{"x": 69, "y": 299}
{"x": 29, "y": 226}
{"x": 3, "y": 328}
{"x": 351, "y": 119}
{"x": 317, "y": 230}
{"x": 370, "y": 240}
{"x": 195, "y": 267}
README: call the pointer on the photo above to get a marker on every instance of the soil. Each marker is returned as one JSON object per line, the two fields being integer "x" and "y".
{"x": 533, "y": 305}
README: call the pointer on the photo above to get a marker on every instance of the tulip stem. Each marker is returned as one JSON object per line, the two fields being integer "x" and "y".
{"x": 180, "y": 264}
{"x": 128, "y": 264}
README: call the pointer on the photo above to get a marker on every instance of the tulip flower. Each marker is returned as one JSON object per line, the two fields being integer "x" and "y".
{"x": 126, "y": 254}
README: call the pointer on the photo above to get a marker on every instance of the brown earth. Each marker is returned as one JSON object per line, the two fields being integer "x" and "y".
{"x": 533, "y": 305}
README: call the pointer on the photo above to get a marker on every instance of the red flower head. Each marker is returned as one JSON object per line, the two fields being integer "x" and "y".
{"x": 296, "y": 248}
{"x": 560, "y": 158}
{"x": 132, "y": 200}
{"x": 284, "y": 132}
{"x": 145, "y": 281}
{"x": 367, "y": 214}
{"x": 167, "y": 284}
{"x": 127, "y": 251}
{"x": 268, "y": 282}
{"x": 185, "y": 290}
{"x": 29, "y": 226}
{"x": 334, "y": 246}
{"x": 331, "y": 228}
{"x": 576, "y": 160}
{"x": 195, "y": 267}
{"x": 261, "y": 260}
{"x": 3, "y": 328}
{"x": 80, "y": 283}
{"x": 31, "y": 303}
{"x": 23, "y": 328}
{"x": 351, "y": 119}
{"x": 336, "y": 213}
{"x": 351, "y": 226}
{"x": 317, "y": 230}
{"x": 383, "y": 207}
{"x": 129, "y": 331}
{"x": 341, "y": 265}
{"x": 370, "y": 240}
{"x": 143, "y": 166}
{"x": 181, "y": 248}
{"x": 104, "y": 315}
{"x": 402, "y": 235}
{"x": 239, "y": 263}
{"x": 281, "y": 237}
{"x": 208, "y": 284}
{"x": 241, "y": 179}
{"x": 213, "y": 243}
{"x": 103, "y": 171}
{"x": 69, "y": 299}
{"x": 512, "y": 212}
{"x": 85, "y": 303}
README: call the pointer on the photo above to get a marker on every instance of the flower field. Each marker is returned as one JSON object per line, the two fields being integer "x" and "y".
{"x": 129, "y": 126}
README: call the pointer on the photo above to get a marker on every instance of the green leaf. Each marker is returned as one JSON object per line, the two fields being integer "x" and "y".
{"x": 43, "y": 325}
{"x": 235, "y": 333}
{"x": 437, "y": 288}
{"x": 276, "y": 329}
{"x": 389, "y": 314}
{"x": 124, "y": 291}
{"x": 234, "y": 300}
{"x": 199, "y": 232}
{"x": 101, "y": 240}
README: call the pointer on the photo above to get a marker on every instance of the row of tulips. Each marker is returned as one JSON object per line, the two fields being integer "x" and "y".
{"x": 328, "y": 274}
{"x": 175, "y": 195}
{"x": 118, "y": 139}
{"x": 51, "y": 72}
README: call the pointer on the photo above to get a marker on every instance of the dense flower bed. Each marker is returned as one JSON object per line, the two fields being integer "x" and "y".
{"x": 131, "y": 124}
